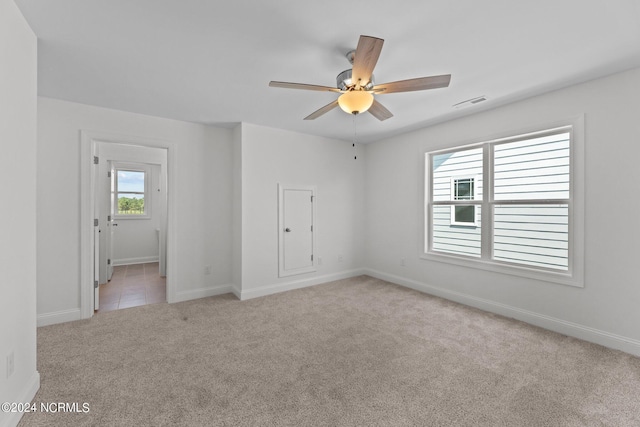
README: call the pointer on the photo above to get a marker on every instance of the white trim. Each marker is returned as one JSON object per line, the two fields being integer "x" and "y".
{"x": 532, "y": 272}
{"x": 87, "y": 198}
{"x": 27, "y": 395}
{"x": 202, "y": 293}
{"x": 262, "y": 291}
{"x": 62, "y": 316}
{"x": 576, "y": 330}
{"x": 138, "y": 260}
{"x": 235, "y": 290}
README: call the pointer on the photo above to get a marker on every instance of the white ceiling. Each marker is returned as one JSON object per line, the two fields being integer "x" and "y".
{"x": 210, "y": 61}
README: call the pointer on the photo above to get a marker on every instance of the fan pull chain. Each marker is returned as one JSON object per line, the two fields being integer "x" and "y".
{"x": 355, "y": 137}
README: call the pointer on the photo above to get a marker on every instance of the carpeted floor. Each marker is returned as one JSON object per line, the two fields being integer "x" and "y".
{"x": 356, "y": 352}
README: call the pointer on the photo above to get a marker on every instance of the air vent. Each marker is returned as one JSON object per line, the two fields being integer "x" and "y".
{"x": 469, "y": 102}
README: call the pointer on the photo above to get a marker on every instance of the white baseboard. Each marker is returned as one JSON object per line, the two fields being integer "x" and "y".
{"x": 58, "y": 317}
{"x": 202, "y": 293}
{"x": 235, "y": 289}
{"x": 139, "y": 260}
{"x": 27, "y": 395}
{"x": 571, "y": 329}
{"x": 262, "y": 291}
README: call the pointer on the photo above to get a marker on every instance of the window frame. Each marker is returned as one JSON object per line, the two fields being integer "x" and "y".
{"x": 132, "y": 167}
{"x": 574, "y": 275}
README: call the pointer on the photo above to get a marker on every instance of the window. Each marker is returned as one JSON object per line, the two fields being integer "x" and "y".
{"x": 130, "y": 188}
{"x": 506, "y": 205}
{"x": 463, "y": 189}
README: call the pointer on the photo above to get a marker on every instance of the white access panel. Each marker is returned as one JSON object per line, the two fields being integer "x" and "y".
{"x": 296, "y": 217}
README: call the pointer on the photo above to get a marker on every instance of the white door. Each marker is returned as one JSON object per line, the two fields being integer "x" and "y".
{"x": 296, "y": 231}
{"x": 111, "y": 224}
{"x": 105, "y": 193}
{"x": 96, "y": 267}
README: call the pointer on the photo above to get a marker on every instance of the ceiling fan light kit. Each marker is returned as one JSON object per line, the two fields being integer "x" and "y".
{"x": 358, "y": 88}
{"x": 355, "y": 101}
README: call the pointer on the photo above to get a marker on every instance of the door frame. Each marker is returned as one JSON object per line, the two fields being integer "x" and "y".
{"x": 312, "y": 268}
{"x": 88, "y": 193}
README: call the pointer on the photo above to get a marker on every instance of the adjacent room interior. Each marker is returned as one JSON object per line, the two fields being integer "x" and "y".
{"x": 194, "y": 220}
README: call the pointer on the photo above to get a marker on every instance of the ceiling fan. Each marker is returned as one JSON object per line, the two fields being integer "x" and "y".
{"x": 357, "y": 86}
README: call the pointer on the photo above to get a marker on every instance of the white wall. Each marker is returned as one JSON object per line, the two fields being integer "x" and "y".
{"x": 202, "y": 195}
{"x": 606, "y": 309}
{"x": 271, "y": 156}
{"x": 18, "y": 80}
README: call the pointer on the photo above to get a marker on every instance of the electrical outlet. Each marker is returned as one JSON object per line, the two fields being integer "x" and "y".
{"x": 10, "y": 364}
{"x": 319, "y": 261}
{"x": 340, "y": 259}
{"x": 403, "y": 262}
{"x": 207, "y": 270}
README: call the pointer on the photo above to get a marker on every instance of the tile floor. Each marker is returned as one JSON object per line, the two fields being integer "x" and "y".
{"x": 131, "y": 286}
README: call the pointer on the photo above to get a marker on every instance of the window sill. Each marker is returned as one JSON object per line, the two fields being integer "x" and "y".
{"x": 562, "y": 278}
{"x": 125, "y": 217}
{"x": 465, "y": 224}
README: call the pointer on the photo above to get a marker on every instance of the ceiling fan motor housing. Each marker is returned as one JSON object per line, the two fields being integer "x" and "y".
{"x": 344, "y": 81}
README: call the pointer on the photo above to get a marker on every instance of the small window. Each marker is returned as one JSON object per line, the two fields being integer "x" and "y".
{"x": 130, "y": 188}
{"x": 463, "y": 189}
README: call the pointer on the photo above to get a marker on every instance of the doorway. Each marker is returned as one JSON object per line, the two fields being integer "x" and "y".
{"x": 132, "y": 206}
{"x": 136, "y": 280}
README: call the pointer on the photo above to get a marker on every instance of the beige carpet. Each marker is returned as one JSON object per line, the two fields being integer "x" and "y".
{"x": 357, "y": 352}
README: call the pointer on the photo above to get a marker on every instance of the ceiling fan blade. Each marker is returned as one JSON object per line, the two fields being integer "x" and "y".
{"x": 288, "y": 85}
{"x": 322, "y": 110}
{"x": 365, "y": 58}
{"x": 379, "y": 111}
{"x": 421, "y": 83}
